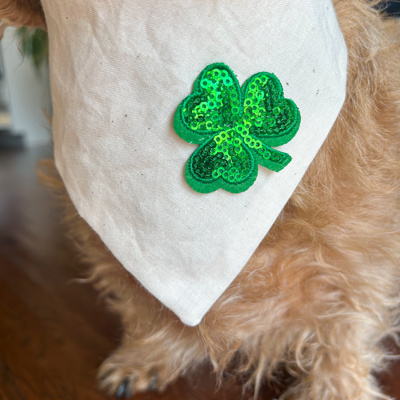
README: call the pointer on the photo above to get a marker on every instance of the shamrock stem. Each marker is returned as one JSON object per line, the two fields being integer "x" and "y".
{"x": 270, "y": 158}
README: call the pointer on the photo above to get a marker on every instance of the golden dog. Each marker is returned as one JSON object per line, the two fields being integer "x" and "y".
{"x": 322, "y": 290}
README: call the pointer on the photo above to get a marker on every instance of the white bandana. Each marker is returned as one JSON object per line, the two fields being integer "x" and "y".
{"x": 120, "y": 69}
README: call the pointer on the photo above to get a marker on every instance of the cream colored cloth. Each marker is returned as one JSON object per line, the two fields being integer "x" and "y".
{"x": 120, "y": 68}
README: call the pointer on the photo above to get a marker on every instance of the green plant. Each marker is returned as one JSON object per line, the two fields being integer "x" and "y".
{"x": 33, "y": 43}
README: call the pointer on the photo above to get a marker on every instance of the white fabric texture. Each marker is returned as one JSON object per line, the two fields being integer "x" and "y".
{"x": 120, "y": 68}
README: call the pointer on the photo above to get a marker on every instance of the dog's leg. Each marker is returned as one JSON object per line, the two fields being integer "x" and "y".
{"x": 330, "y": 357}
{"x": 342, "y": 365}
{"x": 150, "y": 362}
{"x": 155, "y": 350}
{"x": 323, "y": 325}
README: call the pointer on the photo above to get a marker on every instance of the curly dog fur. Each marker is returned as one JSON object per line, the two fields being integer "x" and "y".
{"x": 322, "y": 290}
{"x": 22, "y": 12}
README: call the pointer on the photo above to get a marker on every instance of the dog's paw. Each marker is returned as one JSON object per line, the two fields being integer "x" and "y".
{"x": 121, "y": 376}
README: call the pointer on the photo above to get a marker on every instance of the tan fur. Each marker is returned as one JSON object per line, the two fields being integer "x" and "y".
{"x": 22, "y": 12}
{"x": 322, "y": 290}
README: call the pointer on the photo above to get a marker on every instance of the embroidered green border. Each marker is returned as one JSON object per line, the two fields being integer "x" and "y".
{"x": 235, "y": 128}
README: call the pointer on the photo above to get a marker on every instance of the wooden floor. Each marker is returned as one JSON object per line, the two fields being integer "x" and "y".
{"x": 54, "y": 331}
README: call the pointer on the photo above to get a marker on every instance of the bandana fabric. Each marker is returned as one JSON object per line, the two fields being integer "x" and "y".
{"x": 119, "y": 71}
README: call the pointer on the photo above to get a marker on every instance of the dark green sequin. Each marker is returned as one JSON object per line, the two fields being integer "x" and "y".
{"x": 235, "y": 128}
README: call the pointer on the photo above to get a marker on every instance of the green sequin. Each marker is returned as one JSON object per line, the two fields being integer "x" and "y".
{"x": 235, "y": 128}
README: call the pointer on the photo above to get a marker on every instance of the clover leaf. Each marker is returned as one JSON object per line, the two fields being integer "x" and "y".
{"x": 235, "y": 128}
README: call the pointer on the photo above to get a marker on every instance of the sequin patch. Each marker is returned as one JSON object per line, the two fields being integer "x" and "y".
{"x": 235, "y": 128}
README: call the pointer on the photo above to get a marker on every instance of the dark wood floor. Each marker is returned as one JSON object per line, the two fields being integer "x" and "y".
{"x": 54, "y": 331}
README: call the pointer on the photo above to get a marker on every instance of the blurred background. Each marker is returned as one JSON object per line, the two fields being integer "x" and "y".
{"x": 54, "y": 330}
{"x": 24, "y": 89}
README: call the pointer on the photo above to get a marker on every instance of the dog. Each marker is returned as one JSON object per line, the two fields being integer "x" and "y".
{"x": 321, "y": 292}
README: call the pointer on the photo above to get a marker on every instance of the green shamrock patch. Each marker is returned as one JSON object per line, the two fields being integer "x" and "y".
{"x": 235, "y": 128}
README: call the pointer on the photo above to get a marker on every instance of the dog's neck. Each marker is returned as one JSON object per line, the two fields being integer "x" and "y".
{"x": 119, "y": 71}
